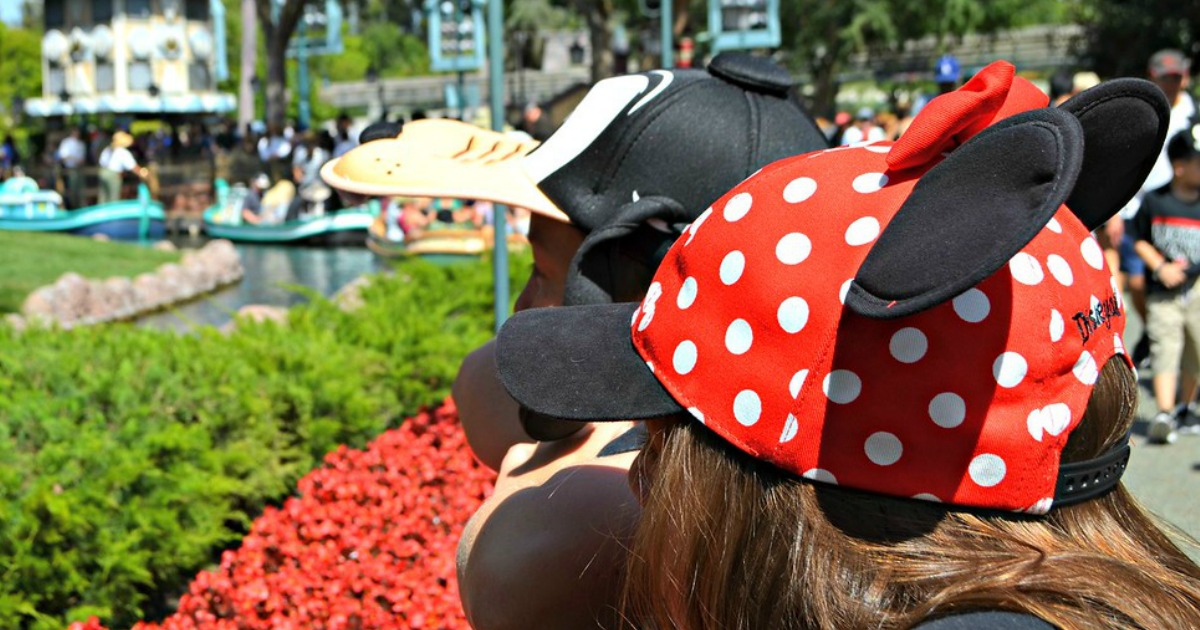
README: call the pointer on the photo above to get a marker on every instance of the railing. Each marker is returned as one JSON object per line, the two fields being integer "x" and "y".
{"x": 182, "y": 186}
{"x": 429, "y": 92}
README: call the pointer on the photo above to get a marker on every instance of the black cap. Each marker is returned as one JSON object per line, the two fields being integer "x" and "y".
{"x": 646, "y": 154}
{"x": 688, "y": 135}
{"x": 1184, "y": 145}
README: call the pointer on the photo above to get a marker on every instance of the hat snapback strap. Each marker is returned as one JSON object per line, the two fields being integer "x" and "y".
{"x": 1081, "y": 481}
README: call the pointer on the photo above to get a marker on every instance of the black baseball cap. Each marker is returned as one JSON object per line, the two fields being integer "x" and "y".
{"x": 644, "y": 155}
{"x": 1185, "y": 144}
{"x": 683, "y": 134}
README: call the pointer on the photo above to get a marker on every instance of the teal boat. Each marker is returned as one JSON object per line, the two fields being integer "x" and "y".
{"x": 25, "y": 208}
{"x": 344, "y": 227}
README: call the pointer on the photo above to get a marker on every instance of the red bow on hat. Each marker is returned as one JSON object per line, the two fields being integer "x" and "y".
{"x": 953, "y": 118}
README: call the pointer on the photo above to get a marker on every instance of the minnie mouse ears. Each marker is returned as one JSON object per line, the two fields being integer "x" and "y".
{"x": 969, "y": 214}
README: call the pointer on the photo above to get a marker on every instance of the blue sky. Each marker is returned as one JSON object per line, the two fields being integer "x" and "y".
{"x": 10, "y": 11}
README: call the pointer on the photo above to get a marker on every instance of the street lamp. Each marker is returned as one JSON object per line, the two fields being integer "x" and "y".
{"x": 259, "y": 90}
{"x": 373, "y": 79}
{"x": 576, "y": 52}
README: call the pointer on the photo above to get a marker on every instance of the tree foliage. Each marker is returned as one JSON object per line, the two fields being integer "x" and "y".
{"x": 1123, "y": 34}
{"x": 20, "y": 75}
{"x": 820, "y": 36}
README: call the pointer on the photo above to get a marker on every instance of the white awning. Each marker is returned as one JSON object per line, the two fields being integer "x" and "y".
{"x": 208, "y": 103}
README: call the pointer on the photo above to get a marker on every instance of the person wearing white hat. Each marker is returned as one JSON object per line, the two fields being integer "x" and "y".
{"x": 115, "y": 161}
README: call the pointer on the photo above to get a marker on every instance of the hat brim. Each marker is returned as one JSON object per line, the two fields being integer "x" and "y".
{"x": 442, "y": 158}
{"x": 579, "y": 363}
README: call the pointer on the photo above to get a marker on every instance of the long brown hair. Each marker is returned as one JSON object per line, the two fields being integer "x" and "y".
{"x": 727, "y": 542}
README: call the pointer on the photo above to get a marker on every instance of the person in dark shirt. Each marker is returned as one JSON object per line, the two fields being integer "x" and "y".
{"x": 1168, "y": 240}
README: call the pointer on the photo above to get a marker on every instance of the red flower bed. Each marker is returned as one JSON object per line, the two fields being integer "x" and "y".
{"x": 369, "y": 543}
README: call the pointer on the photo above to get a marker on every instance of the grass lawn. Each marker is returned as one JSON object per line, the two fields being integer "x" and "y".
{"x": 29, "y": 260}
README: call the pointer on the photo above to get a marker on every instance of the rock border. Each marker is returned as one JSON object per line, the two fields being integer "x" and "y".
{"x": 76, "y": 301}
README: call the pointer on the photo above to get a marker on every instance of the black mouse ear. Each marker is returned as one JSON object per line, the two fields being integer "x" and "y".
{"x": 1124, "y": 126}
{"x": 380, "y": 131}
{"x": 617, "y": 261}
{"x": 970, "y": 214}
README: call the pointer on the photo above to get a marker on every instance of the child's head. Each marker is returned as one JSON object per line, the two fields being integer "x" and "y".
{"x": 1183, "y": 149}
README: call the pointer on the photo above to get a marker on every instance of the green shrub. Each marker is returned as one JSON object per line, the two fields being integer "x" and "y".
{"x": 130, "y": 457}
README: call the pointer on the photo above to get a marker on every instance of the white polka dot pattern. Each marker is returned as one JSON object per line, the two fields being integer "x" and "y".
{"x": 972, "y": 306}
{"x": 732, "y": 267}
{"x": 687, "y": 294}
{"x": 737, "y": 207}
{"x": 947, "y": 410}
{"x": 797, "y": 382}
{"x": 870, "y": 182}
{"x": 685, "y": 357}
{"x": 793, "y": 315}
{"x": 793, "y": 249}
{"x": 1060, "y": 270}
{"x": 1010, "y": 369}
{"x": 1056, "y": 325}
{"x": 862, "y": 231}
{"x": 987, "y": 470}
{"x": 908, "y": 345}
{"x": 883, "y": 448}
{"x": 821, "y": 475}
{"x": 842, "y": 386}
{"x": 799, "y": 189}
{"x": 695, "y": 226}
{"x": 1085, "y": 369}
{"x": 739, "y": 337}
{"x": 1052, "y": 419}
{"x": 1026, "y": 269}
{"x": 790, "y": 428}
{"x": 1092, "y": 254}
{"x": 649, "y": 304}
{"x": 747, "y": 407}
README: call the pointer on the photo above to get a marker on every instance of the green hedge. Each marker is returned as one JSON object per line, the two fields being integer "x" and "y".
{"x": 130, "y": 457}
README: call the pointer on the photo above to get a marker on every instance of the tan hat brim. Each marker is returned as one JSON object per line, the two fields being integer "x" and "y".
{"x": 442, "y": 158}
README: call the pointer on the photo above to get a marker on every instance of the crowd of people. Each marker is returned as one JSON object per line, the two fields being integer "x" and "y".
{"x": 412, "y": 217}
{"x": 93, "y": 165}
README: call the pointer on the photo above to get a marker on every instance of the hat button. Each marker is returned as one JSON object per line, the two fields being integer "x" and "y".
{"x": 748, "y": 72}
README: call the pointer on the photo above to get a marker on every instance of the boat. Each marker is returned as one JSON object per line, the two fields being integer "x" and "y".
{"x": 345, "y": 227}
{"x": 447, "y": 244}
{"x": 25, "y": 208}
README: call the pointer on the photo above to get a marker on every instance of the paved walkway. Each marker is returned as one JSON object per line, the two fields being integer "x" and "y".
{"x": 1166, "y": 479}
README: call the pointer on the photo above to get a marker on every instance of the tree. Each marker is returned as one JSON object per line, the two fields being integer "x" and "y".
{"x": 1123, "y": 34}
{"x": 821, "y": 35}
{"x": 247, "y": 61}
{"x": 278, "y": 28}
{"x": 20, "y": 75}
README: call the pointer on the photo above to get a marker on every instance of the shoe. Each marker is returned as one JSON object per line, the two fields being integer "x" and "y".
{"x": 1162, "y": 428}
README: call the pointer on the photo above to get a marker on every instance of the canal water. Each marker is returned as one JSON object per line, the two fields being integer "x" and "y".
{"x": 272, "y": 274}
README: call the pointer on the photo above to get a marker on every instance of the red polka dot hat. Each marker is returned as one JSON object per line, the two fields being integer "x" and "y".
{"x": 922, "y": 319}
